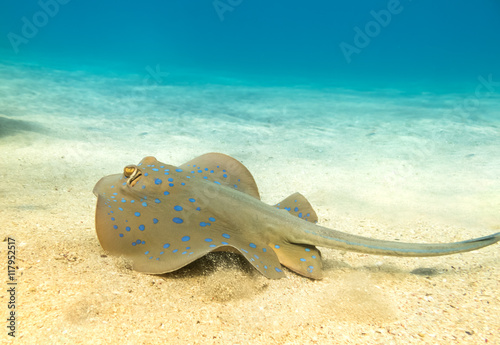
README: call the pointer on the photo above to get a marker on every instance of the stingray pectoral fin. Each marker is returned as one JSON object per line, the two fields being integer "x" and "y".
{"x": 258, "y": 254}
{"x": 340, "y": 240}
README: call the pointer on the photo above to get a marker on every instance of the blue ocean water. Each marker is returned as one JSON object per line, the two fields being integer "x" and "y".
{"x": 413, "y": 46}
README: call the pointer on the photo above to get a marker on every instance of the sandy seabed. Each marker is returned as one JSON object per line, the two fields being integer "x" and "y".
{"x": 381, "y": 165}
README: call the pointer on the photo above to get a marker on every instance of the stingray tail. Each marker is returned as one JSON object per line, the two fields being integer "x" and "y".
{"x": 340, "y": 240}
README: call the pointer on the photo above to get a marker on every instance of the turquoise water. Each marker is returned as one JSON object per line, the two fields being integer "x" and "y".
{"x": 412, "y": 46}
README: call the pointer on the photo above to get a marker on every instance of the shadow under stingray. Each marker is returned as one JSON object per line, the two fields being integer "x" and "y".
{"x": 211, "y": 263}
{"x": 10, "y": 126}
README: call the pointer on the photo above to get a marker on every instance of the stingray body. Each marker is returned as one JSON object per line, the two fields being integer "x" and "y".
{"x": 162, "y": 217}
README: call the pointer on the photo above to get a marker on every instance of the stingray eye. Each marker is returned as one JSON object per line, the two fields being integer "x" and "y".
{"x": 129, "y": 170}
{"x": 133, "y": 173}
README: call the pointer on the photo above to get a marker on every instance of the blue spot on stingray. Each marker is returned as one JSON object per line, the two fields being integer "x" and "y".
{"x": 132, "y": 201}
{"x": 127, "y": 228}
{"x": 265, "y": 267}
{"x": 123, "y": 200}
{"x": 138, "y": 241}
{"x": 205, "y": 177}
{"x": 314, "y": 256}
{"x": 296, "y": 209}
{"x": 146, "y": 174}
{"x": 166, "y": 193}
{"x": 177, "y": 220}
{"x": 170, "y": 180}
{"x": 198, "y": 208}
{"x": 147, "y": 252}
{"x": 212, "y": 219}
{"x": 175, "y": 250}
{"x": 208, "y": 240}
{"x": 162, "y": 253}
{"x": 235, "y": 186}
{"x": 252, "y": 245}
{"x": 225, "y": 243}
{"x": 178, "y": 208}
{"x": 144, "y": 204}
{"x": 288, "y": 208}
{"x": 157, "y": 200}
{"x": 212, "y": 245}
{"x": 184, "y": 252}
{"x": 155, "y": 169}
{"x": 112, "y": 186}
{"x": 166, "y": 245}
{"x": 223, "y": 170}
{"x": 142, "y": 227}
{"x": 191, "y": 199}
{"x": 155, "y": 220}
{"x": 121, "y": 235}
{"x": 307, "y": 215}
{"x": 277, "y": 269}
{"x": 183, "y": 184}
{"x": 300, "y": 215}
{"x": 171, "y": 184}
{"x": 158, "y": 181}
{"x": 121, "y": 209}
{"x": 115, "y": 227}
{"x": 137, "y": 214}
{"x": 217, "y": 182}
{"x": 264, "y": 250}
{"x": 133, "y": 243}
{"x": 211, "y": 171}
{"x": 206, "y": 169}
{"x": 224, "y": 175}
{"x": 226, "y": 236}
{"x": 185, "y": 238}
{"x": 113, "y": 218}
{"x": 178, "y": 170}
{"x": 277, "y": 246}
{"x": 302, "y": 259}
{"x": 203, "y": 224}
{"x": 166, "y": 173}
{"x": 307, "y": 250}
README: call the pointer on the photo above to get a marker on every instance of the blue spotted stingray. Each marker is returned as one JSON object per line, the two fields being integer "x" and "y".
{"x": 162, "y": 217}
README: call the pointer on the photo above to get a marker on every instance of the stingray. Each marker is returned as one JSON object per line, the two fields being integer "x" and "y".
{"x": 162, "y": 217}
